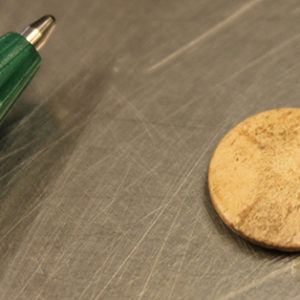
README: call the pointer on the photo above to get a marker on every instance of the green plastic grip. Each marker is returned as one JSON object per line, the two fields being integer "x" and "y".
{"x": 19, "y": 61}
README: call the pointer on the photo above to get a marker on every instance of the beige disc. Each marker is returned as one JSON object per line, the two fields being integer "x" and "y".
{"x": 254, "y": 179}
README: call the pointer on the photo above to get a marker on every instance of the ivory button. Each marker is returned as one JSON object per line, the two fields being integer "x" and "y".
{"x": 254, "y": 179}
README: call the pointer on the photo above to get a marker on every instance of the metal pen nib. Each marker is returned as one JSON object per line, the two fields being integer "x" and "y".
{"x": 38, "y": 32}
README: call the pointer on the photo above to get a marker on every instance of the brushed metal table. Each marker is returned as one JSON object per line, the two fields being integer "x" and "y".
{"x": 103, "y": 163}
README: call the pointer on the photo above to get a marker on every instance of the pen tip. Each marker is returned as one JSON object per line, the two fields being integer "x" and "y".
{"x": 52, "y": 17}
{"x": 39, "y": 31}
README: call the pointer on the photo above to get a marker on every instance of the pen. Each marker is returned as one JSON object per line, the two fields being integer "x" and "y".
{"x": 20, "y": 60}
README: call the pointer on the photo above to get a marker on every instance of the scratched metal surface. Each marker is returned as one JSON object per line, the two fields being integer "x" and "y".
{"x": 103, "y": 163}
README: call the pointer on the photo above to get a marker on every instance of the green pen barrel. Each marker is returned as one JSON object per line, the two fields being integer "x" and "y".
{"x": 19, "y": 62}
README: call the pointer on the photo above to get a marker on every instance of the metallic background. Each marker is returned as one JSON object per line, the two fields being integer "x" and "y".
{"x": 103, "y": 162}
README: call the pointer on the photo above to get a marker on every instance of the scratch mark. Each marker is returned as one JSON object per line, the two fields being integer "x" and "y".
{"x": 160, "y": 251}
{"x": 15, "y": 151}
{"x": 28, "y": 116}
{"x": 154, "y": 211}
{"x": 36, "y": 269}
{"x": 142, "y": 177}
{"x": 184, "y": 255}
{"x": 20, "y": 221}
{"x": 259, "y": 59}
{"x": 115, "y": 196}
{"x": 204, "y": 35}
{"x": 41, "y": 151}
{"x": 63, "y": 256}
{"x": 184, "y": 179}
{"x": 256, "y": 282}
{"x": 137, "y": 113}
{"x": 96, "y": 274}
{"x": 85, "y": 227}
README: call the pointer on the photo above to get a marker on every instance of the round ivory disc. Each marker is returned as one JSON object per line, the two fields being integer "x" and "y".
{"x": 254, "y": 179}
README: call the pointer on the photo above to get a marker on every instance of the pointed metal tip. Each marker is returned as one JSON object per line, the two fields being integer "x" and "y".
{"x": 38, "y": 32}
{"x": 51, "y": 17}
